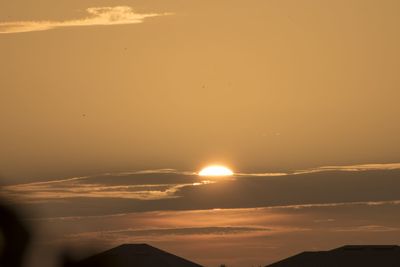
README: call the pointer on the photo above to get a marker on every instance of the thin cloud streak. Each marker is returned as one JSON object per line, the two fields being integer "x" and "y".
{"x": 48, "y": 191}
{"x": 162, "y": 226}
{"x": 157, "y": 232}
{"x": 367, "y": 228}
{"x": 75, "y": 187}
{"x": 232, "y": 210}
{"x": 98, "y": 16}
{"x": 338, "y": 204}
{"x": 351, "y": 168}
{"x": 125, "y": 173}
{"x": 163, "y": 235}
{"x": 86, "y": 187}
{"x": 360, "y": 167}
{"x": 262, "y": 231}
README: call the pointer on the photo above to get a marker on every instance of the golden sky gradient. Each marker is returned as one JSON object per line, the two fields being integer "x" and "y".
{"x": 265, "y": 85}
{"x": 109, "y": 109}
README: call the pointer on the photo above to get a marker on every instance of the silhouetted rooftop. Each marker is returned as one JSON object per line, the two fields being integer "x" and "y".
{"x": 351, "y": 255}
{"x": 138, "y": 255}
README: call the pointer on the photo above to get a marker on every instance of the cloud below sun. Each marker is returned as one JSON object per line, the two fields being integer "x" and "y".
{"x": 98, "y": 16}
{"x": 164, "y": 184}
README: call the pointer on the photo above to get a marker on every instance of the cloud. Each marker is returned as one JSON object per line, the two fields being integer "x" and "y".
{"x": 168, "y": 189}
{"x": 337, "y": 204}
{"x": 98, "y": 16}
{"x": 139, "y": 185}
{"x": 242, "y": 232}
{"x": 267, "y": 223}
{"x": 349, "y": 168}
{"x": 160, "y": 232}
{"x": 245, "y": 213}
{"x": 184, "y": 187}
{"x": 367, "y": 228}
{"x": 168, "y": 234}
{"x": 359, "y": 167}
{"x": 75, "y": 188}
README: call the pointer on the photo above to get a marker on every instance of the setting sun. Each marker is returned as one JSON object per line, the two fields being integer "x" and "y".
{"x": 216, "y": 170}
{"x": 238, "y": 133}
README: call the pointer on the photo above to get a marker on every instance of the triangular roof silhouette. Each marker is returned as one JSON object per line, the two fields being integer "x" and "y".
{"x": 136, "y": 255}
{"x": 351, "y": 255}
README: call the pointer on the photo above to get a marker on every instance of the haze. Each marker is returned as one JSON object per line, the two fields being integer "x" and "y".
{"x": 124, "y": 101}
{"x": 266, "y": 85}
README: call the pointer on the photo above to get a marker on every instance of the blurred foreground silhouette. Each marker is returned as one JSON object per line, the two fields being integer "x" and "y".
{"x": 14, "y": 237}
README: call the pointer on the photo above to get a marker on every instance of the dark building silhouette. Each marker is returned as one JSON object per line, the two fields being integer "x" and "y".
{"x": 346, "y": 256}
{"x": 134, "y": 255}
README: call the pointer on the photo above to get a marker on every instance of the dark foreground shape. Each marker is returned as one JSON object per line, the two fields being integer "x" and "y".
{"x": 346, "y": 256}
{"x": 14, "y": 238}
{"x": 135, "y": 255}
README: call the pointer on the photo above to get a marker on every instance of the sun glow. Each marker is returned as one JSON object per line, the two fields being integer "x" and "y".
{"x": 216, "y": 170}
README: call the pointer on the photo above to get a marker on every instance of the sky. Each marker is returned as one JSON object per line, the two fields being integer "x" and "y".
{"x": 108, "y": 110}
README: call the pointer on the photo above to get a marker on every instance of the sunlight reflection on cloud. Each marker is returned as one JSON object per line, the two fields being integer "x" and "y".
{"x": 99, "y": 16}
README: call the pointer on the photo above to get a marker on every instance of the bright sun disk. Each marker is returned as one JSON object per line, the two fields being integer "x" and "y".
{"x": 216, "y": 170}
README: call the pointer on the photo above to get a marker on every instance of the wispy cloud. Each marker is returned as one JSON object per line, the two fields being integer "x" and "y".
{"x": 337, "y": 204}
{"x": 146, "y": 184}
{"x": 352, "y": 168}
{"x": 158, "y": 233}
{"x": 97, "y": 186}
{"x": 165, "y": 235}
{"x": 241, "y": 232}
{"x": 227, "y": 213}
{"x": 367, "y": 228}
{"x": 360, "y": 167}
{"x": 91, "y": 187}
{"x": 74, "y": 188}
{"x": 236, "y": 223}
{"x": 98, "y": 16}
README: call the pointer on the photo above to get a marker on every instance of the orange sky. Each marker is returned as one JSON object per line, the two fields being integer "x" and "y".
{"x": 266, "y": 85}
{"x": 299, "y": 98}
